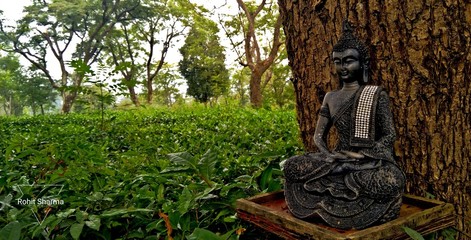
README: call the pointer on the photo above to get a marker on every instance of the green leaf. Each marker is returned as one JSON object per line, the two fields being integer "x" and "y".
{"x": 228, "y": 234}
{"x": 412, "y": 233}
{"x": 160, "y": 192}
{"x": 94, "y": 222}
{"x": 183, "y": 158}
{"x": 230, "y": 219}
{"x": 12, "y": 231}
{"x": 116, "y": 212}
{"x": 80, "y": 216}
{"x": 96, "y": 196}
{"x": 266, "y": 177}
{"x": 449, "y": 233}
{"x": 76, "y": 230}
{"x": 207, "y": 163}
{"x": 200, "y": 234}
{"x": 185, "y": 200}
{"x": 176, "y": 170}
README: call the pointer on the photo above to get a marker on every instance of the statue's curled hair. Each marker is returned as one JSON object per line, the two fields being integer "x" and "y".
{"x": 349, "y": 41}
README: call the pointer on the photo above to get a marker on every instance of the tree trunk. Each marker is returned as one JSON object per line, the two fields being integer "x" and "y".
{"x": 256, "y": 90}
{"x": 33, "y": 108}
{"x": 150, "y": 91}
{"x": 68, "y": 102}
{"x": 420, "y": 51}
{"x": 133, "y": 95}
{"x": 257, "y": 63}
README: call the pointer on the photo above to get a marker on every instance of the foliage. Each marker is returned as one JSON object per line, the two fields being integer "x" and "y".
{"x": 240, "y": 82}
{"x": 167, "y": 84}
{"x": 139, "y": 47}
{"x": 67, "y": 30}
{"x": 37, "y": 93}
{"x": 255, "y": 51}
{"x": 10, "y": 76}
{"x": 145, "y": 174}
{"x": 133, "y": 38}
{"x": 277, "y": 88}
{"x": 446, "y": 234}
{"x": 93, "y": 98}
{"x": 20, "y": 88}
{"x": 203, "y": 64}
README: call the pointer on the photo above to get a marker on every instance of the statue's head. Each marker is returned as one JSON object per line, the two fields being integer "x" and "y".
{"x": 351, "y": 57}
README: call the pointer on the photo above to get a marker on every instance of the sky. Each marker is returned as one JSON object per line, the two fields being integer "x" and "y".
{"x": 13, "y": 11}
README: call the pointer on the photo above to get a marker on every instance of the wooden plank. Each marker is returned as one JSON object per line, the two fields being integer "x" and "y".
{"x": 425, "y": 222}
{"x": 269, "y": 212}
{"x": 267, "y": 197}
{"x": 286, "y": 221}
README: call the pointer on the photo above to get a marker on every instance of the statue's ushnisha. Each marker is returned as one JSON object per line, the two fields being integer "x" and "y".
{"x": 358, "y": 184}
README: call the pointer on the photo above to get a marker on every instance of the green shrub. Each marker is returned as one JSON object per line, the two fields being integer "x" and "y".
{"x": 139, "y": 174}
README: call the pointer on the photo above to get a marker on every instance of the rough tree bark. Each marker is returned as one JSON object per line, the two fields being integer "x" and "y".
{"x": 420, "y": 51}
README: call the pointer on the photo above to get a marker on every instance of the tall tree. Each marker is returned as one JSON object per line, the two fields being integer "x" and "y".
{"x": 167, "y": 85}
{"x": 10, "y": 77}
{"x": 70, "y": 30}
{"x": 256, "y": 22}
{"x": 240, "y": 83}
{"x": 94, "y": 97}
{"x": 279, "y": 89}
{"x": 37, "y": 93}
{"x": 153, "y": 32}
{"x": 122, "y": 49}
{"x": 203, "y": 63}
{"x": 420, "y": 51}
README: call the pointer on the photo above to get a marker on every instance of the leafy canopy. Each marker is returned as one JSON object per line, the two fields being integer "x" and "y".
{"x": 203, "y": 63}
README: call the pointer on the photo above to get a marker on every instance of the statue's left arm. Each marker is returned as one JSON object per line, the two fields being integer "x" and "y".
{"x": 385, "y": 122}
{"x": 385, "y": 131}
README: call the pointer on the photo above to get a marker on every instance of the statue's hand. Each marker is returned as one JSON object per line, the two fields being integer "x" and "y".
{"x": 338, "y": 155}
{"x": 335, "y": 155}
{"x": 353, "y": 154}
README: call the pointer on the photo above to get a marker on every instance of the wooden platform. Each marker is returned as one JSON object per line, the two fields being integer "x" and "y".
{"x": 269, "y": 211}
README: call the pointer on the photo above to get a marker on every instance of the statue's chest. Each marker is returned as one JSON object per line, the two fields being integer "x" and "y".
{"x": 339, "y": 102}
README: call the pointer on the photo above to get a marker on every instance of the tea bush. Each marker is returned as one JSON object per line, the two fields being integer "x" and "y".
{"x": 139, "y": 174}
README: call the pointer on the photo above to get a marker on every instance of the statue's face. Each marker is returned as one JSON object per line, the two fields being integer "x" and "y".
{"x": 348, "y": 65}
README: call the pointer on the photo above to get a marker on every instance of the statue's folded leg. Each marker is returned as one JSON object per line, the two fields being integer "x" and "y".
{"x": 306, "y": 166}
{"x": 300, "y": 203}
{"x": 356, "y": 199}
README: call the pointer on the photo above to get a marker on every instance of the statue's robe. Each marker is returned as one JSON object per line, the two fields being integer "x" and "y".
{"x": 350, "y": 193}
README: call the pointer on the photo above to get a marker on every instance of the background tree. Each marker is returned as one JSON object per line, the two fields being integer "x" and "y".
{"x": 122, "y": 49}
{"x": 255, "y": 23}
{"x": 37, "y": 93}
{"x": 10, "y": 79}
{"x": 94, "y": 97}
{"x": 240, "y": 85}
{"x": 171, "y": 17}
{"x": 69, "y": 30}
{"x": 143, "y": 42}
{"x": 277, "y": 87}
{"x": 420, "y": 51}
{"x": 167, "y": 85}
{"x": 203, "y": 63}
{"x": 279, "y": 91}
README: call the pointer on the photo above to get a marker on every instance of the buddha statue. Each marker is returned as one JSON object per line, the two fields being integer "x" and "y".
{"x": 358, "y": 183}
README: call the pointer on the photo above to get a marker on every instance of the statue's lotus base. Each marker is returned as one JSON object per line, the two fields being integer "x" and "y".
{"x": 269, "y": 211}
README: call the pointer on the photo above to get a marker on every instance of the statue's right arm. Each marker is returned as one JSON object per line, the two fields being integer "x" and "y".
{"x": 323, "y": 126}
{"x": 320, "y": 135}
